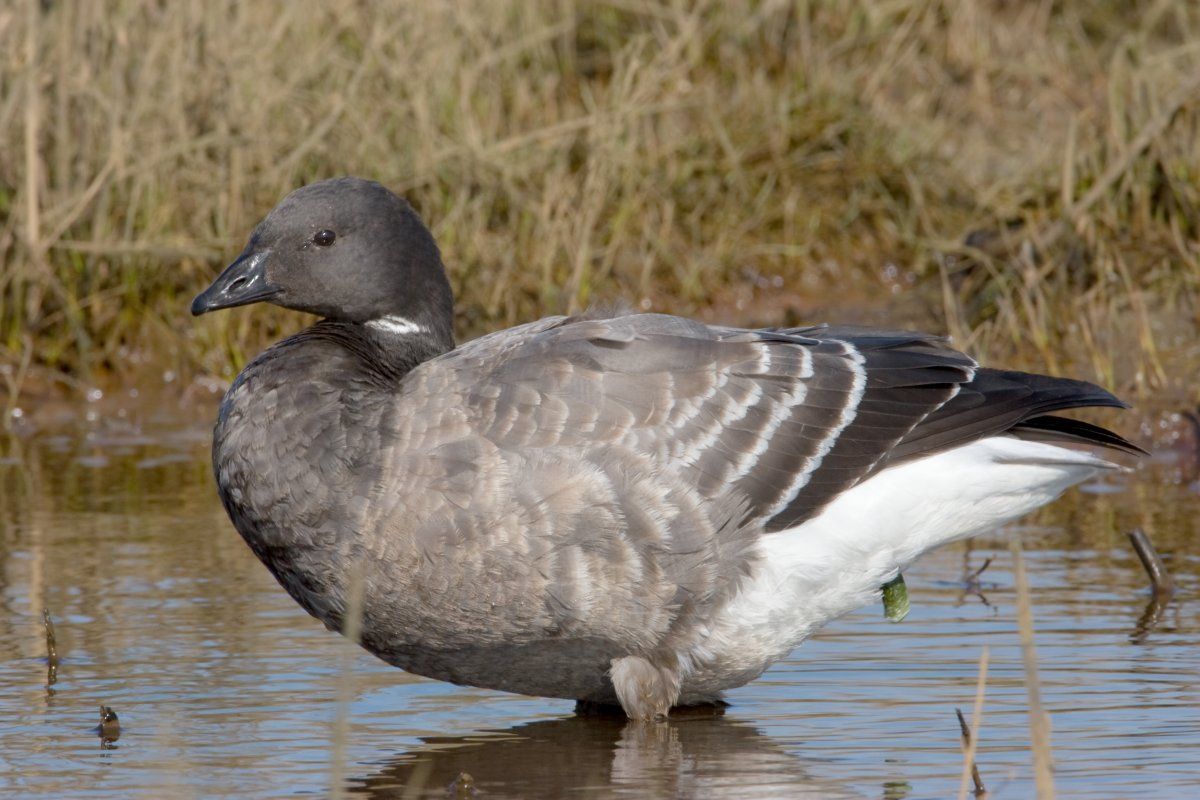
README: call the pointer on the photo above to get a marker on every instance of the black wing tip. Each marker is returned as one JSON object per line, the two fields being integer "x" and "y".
{"x": 1105, "y": 398}
{"x": 1047, "y": 392}
{"x": 1078, "y": 394}
{"x": 1063, "y": 429}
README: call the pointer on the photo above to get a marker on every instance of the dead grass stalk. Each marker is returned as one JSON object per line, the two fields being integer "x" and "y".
{"x": 1039, "y": 720}
{"x": 1022, "y": 173}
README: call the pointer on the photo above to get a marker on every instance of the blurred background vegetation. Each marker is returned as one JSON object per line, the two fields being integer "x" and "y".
{"x": 1023, "y": 175}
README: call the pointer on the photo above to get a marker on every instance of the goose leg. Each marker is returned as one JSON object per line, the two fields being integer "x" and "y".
{"x": 646, "y": 691}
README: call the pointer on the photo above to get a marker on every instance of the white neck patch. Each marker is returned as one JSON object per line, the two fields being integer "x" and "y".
{"x": 396, "y": 324}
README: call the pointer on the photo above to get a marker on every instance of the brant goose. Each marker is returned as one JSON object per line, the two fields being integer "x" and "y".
{"x": 634, "y": 508}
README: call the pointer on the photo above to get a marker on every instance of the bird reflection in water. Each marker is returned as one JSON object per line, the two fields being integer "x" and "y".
{"x": 590, "y": 756}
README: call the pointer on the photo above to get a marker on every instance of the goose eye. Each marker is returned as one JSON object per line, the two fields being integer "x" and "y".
{"x": 324, "y": 238}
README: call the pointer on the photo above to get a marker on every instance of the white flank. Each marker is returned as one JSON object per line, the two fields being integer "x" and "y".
{"x": 395, "y": 324}
{"x": 837, "y": 561}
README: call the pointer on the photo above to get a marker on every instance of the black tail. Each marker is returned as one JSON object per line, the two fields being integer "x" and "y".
{"x": 1003, "y": 401}
{"x": 1061, "y": 429}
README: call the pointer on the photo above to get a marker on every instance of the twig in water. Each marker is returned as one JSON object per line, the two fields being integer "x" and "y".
{"x": 109, "y": 728}
{"x": 1160, "y": 579}
{"x": 969, "y": 765}
{"x": 51, "y": 643}
{"x": 970, "y": 735}
{"x": 1148, "y": 622}
{"x": 462, "y": 787}
{"x": 51, "y": 649}
{"x": 971, "y": 585}
{"x": 973, "y": 576}
{"x": 1039, "y": 723}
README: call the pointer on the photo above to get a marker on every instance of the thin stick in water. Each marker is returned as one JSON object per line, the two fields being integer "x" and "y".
{"x": 1039, "y": 723}
{"x": 51, "y": 642}
{"x": 1160, "y": 579}
{"x": 969, "y": 766}
{"x": 51, "y": 651}
{"x": 970, "y": 736}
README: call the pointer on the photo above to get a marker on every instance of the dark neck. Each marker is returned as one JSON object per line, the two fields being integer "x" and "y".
{"x": 390, "y": 346}
{"x": 426, "y": 328}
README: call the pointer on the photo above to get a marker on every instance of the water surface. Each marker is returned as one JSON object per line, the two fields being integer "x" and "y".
{"x": 225, "y": 688}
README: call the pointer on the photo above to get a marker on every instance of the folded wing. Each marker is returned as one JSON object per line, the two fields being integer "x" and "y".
{"x": 783, "y": 419}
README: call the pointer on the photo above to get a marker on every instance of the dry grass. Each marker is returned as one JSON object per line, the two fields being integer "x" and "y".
{"x": 1039, "y": 718}
{"x": 1032, "y": 167}
{"x": 970, "y": 772}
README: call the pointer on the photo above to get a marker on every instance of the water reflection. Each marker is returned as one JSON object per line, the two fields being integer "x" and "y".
{"x": 585, "y": 756}
{"x": 225, "y": 688}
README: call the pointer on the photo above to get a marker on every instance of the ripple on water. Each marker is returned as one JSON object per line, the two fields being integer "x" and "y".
{"x": 225, "y": 688}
